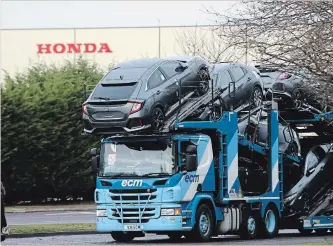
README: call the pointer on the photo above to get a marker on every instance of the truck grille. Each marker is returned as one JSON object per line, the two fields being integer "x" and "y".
{"x": 133, "y": 205}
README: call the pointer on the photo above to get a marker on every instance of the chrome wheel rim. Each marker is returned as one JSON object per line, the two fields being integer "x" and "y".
{"x": 158, "y": 118}
{"x": 251, "y": 225}
{"x": 204, "y": 224}
{"x": 257, "y": 97}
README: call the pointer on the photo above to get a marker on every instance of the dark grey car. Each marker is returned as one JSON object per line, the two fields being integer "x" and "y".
{"x": 142, "y": 93}
{"x": 315, "y": 179}
{"x": 243, "y": 81}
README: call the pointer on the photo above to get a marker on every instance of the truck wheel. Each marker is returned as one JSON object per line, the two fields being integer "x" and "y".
{"x": 204, "y": 224}
{"x": 270, "y": 225}
{"x": 249, "y": 229}
{"x": 122, "y": 237}
{"x": 175, "y": 236}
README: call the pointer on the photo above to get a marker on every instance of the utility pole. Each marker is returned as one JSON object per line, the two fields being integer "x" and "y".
{"x": 159, "y": 39}
{"x": 246, "y": 45}
{"x": 74, "y": 43}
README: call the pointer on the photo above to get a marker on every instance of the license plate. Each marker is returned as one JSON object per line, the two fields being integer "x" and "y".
{"x": 133, "y": 227}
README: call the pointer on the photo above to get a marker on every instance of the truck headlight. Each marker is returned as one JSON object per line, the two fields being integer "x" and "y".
{"x": 101, "y": 213}
{"x": 290, "y": 198}
{"x": 170, "y": 211}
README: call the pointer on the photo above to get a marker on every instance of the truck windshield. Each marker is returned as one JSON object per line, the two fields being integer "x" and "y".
{"x": 147, "y": 158}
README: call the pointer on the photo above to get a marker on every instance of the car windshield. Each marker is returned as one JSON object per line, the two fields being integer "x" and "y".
{"x": 150, "y": 158}
{"x": 114, "y": 92}
{"x": 133, "y": 73}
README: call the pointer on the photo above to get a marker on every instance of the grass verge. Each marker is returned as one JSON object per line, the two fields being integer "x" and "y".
{"x": 60, "y": 207}
{"x": 323, "y": 243}
{"x": 29, "y": 229}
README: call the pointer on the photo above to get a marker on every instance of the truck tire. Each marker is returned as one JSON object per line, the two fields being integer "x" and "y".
{"x": 122, "y": 237}
{"x": 175, "y": 236}
{"x": 270, "y": 225}
{"x": 249, "y": 229}
{"x": 204, "y": 224}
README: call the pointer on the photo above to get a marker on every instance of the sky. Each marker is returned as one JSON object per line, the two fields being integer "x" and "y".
{"x": 91, "y": 14}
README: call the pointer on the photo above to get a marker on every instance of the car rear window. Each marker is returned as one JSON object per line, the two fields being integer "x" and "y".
{"x": 125, "y": 74}
{"x": 114, "y": 91}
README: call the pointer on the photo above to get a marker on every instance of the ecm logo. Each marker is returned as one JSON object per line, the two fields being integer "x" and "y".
{"x": 191, "y": 178}
{"x": 132, "y": 182}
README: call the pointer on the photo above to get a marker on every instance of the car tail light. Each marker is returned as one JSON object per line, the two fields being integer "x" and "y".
{"x": 84, "y": 109}
{"x": 137, "y": 106}
{"x": 284, "y": 76}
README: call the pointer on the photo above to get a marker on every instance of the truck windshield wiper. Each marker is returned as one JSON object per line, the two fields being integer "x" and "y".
{"x": 155, "y": 174}
{"x": 103, "y": 98}
{"x": 116, "y": 175}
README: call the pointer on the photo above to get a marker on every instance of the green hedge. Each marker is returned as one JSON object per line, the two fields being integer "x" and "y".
{"x": 43, "y": 153}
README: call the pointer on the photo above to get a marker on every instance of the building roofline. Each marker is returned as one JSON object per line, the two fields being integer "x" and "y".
{"x": 110, "y": 27}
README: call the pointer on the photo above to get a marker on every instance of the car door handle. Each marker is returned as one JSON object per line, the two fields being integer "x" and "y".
{"x": 249, "y": 79}
{"x": 158, "y": 92}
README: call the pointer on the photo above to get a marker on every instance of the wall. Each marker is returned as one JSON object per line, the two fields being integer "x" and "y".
{"x": 19, "y": 48}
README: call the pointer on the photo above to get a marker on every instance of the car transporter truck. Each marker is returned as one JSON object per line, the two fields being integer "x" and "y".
{"x": 184, "y": 181}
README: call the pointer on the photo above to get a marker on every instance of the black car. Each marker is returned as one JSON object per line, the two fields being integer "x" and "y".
{"x": 316, "y": 178}
{"x": 142, "y": 93}
{"x": 257, "y": 131}
{"x": 243, "y": 83}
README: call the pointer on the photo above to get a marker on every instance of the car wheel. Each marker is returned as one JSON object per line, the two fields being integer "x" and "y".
{"x": 292, "y": 149}
{"x": 257, "y": 96}
{"x": 122, "y": 237}
{"x": 157, "y": 118}
{"x": 203, "y": 84}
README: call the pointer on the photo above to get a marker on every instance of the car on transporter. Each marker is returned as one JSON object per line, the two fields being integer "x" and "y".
{"x": 142, "y": 93}
{"x": 243, "y": 82}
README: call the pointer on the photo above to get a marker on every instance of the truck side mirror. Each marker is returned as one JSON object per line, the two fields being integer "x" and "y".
{"x": 191, "y": 162}
{"x": 94, "y": 152}
{"x": 95, "y": 163}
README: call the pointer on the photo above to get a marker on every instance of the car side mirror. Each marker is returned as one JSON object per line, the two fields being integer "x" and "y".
{"x": 95, "y": 163}
{"x": 191, "y": 162}
{"x": 309, "y": 172}
{"x": 94, "y": 152}
{"x": 180, "y": 69}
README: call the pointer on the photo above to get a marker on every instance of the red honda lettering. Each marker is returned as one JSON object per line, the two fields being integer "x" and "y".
{"x": 92, "y": 49}
{"x": 59, "y": 48}
{"x": 74, "y": 48}
{"x": 43, "y": 48}
{"x": 104, "y": 48}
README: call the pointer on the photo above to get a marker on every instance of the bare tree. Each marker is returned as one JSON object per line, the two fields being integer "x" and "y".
{"x": 291, "y": 35}
{"x": 206, "y": 43}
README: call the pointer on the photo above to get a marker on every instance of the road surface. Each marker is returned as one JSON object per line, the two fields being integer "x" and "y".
{"x": 287, "y": 237}
{"x": 52, "y": 217}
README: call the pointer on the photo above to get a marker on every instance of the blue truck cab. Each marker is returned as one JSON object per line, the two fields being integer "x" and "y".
{"x": 183, "y": 183}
